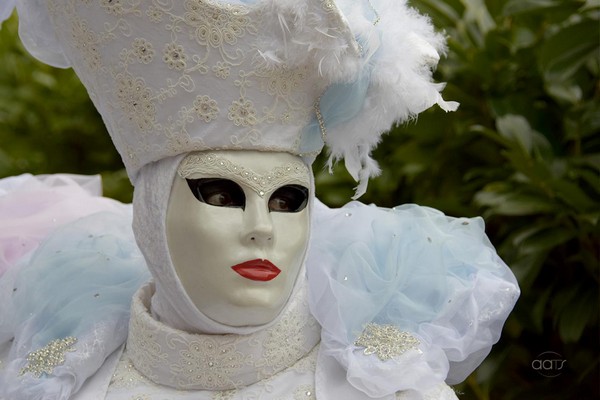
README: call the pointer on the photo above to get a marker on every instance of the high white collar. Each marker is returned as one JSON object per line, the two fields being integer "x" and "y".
{"x": 191, "y": 361}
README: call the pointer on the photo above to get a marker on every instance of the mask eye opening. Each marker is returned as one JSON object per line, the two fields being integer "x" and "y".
{"x": 289, "y": 199}
{"x": 217, "y": 192}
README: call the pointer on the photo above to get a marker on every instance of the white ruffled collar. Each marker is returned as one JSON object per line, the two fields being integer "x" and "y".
{"x": 187, "y": 361}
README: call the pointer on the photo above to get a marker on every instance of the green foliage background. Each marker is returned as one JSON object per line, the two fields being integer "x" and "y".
{"x": 523, "y": 150}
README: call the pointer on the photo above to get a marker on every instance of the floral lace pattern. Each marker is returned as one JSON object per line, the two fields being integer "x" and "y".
{"x": 207, "y": 363}
{"x": 293, "y": 383}
{"x": 211, "y": 163}
{"x": 187, "y": 361}
{"x": 173, "y": 77}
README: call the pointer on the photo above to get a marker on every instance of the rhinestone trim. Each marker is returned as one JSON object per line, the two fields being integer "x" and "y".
{"x": 386, "y": 341}
{"x": 48, "y": 357}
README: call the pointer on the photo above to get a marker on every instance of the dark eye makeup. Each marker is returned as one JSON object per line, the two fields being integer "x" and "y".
{"x": 226, "y": 193}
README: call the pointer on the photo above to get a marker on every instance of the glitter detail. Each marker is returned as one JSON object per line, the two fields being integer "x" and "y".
{"x": 48, "y": 357}
{"x": 320, "y": 119}
{"x": 386, "y": 341}
{"x": 213, "y": 165}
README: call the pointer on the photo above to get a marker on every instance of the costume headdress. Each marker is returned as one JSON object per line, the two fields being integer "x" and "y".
{"x": 170, "y": 77}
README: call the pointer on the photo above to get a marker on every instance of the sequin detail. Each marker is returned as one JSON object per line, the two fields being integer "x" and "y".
{"x": 48, "y": 357}
{"x": 194, "y": 361}
{"x": 320, "y": 119}
{"x": 386, "y": 341}
{"x": 208, "y": 163}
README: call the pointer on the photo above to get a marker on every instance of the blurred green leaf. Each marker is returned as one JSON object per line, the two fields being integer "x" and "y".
{"x": 568, "y": 50}
{"x": 539, "y": 310}
{"x": 516, "y": 128}
{"x": 515, "y": 7}
{"x": 545, "y": 240}
{"x": 576, "y": 307}
{"x": 443, "y": 12}
{"x": 514, "y": 204}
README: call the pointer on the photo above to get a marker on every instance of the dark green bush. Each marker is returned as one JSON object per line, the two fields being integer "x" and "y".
{"x": 48, "y": 123}
{"x": 523, "y": 150}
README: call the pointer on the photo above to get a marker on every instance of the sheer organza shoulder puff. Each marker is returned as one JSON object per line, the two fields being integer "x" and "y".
{"x": 407, "y": 297}
{"x": 33, "y": 206}
{"x": 66, "y": 309}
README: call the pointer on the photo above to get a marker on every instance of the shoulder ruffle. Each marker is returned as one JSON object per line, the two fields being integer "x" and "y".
{"x": 71, "y": 301}
{"x": 435, "y": 282}
{"x": 33, "y": 206}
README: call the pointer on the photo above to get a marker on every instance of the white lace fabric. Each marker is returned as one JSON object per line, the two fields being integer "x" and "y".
{"x": 170, "y": 77}
{"x": 187, "y": 361}
{"x": 174, "y": 77}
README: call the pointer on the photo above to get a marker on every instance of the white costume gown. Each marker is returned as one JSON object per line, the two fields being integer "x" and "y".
{"x": 69, "y": 294}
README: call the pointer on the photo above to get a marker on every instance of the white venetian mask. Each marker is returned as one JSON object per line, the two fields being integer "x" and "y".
{"x": 237, "y": 230}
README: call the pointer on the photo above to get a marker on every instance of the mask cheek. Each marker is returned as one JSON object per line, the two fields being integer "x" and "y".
{"x": 291, "y": 237}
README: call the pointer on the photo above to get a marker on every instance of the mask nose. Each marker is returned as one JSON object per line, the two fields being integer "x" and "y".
{"x": 258, "y": 225}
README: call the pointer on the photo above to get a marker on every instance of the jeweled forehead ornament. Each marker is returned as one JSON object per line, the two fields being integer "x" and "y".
{"x": 194, "y": 75}
{"x": 211, "y": 164}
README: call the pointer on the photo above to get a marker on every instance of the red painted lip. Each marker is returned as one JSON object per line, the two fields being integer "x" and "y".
{"x": 257, "y": 270}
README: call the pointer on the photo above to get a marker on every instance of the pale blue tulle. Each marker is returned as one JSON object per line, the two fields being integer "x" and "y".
{"x": 91, "y": 265}
{"x": 78, "y": 283}
{"x": 340, "y": 103}
{"x": 435, "y": 277}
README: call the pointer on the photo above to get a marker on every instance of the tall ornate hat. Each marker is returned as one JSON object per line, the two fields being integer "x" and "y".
{"x": 170, "y": 77}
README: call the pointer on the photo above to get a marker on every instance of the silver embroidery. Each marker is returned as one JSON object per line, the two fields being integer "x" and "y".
{"x": 320, "y": 120}
{"x": 48, "y": 357}
{"x": 185, "y": 361}
{"x": 210, "y": 163}
{"x": 386, "y": 341}
{"x": 207, "y": 363}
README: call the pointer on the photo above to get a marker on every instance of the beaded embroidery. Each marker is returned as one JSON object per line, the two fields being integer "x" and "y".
{"x": 193, "y": 361}
{"x": 386, "y": 341}
{"x": 48, "y": 357}
{"x": 211, "y": 163}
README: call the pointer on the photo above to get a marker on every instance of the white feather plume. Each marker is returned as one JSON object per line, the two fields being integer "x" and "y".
{"x": 386, "y": 38}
